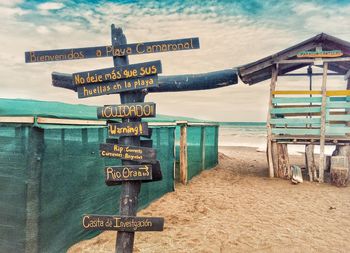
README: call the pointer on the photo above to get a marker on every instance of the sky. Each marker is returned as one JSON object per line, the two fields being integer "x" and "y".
{"x": 231, "y": 33}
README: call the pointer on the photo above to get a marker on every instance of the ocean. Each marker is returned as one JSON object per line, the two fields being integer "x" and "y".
{"x": 253, "y": 134}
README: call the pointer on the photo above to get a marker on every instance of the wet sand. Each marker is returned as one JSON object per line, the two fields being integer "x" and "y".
{"x": 235, "y": 207}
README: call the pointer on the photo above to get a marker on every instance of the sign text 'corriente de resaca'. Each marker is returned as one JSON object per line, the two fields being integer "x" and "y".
{"x": 105, "y": 51}
{"x": 131, "y": 153}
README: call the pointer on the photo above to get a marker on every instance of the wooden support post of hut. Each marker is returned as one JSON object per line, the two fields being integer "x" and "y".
{"x": 183, "y": 154}
{"x": 270, "y": 157}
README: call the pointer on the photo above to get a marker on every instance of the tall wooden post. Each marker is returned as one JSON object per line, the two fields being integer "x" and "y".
{"x": 202, "y": 146}
{"x": 34, "y": 163}
{"x": 323, "y": 123}
{"x": 269, "y": 128}
{"x": 183, "y": 154}
{"x": 130, "y": 189}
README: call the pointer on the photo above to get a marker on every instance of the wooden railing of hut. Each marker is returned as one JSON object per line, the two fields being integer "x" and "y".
{"x": 308, "y": 117}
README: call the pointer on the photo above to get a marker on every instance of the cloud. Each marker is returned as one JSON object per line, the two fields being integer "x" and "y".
{"x": 10, "y": 3}
{"x": 228, "y": 38}
{"x": 50, "y": 6}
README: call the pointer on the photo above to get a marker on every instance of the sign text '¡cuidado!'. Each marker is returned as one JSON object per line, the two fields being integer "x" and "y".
{"x": 130, "y": 110}
{"x": 122, "y": 223}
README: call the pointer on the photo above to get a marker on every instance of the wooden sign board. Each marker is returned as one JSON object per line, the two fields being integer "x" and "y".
{"x": 156, "y": 174}
{"x": 106, "y": 88}
{"x": 320, "y": 54}
{"x": 130, "y": 110}
{"x": 131, "y": 153}
{"x": 117, "y": 73}
{"x": 127, "y": 173}
{"x": 128, "y": 129}
{"x": 122, "y": 223}
{"x": 143, "y": 143}
{"x": 106, "y": 51}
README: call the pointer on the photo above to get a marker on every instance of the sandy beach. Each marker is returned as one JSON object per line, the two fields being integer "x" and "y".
{"x": 235, "y": 207}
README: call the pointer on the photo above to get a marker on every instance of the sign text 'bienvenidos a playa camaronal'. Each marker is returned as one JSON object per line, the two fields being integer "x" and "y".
{"x": 105, "y": 51}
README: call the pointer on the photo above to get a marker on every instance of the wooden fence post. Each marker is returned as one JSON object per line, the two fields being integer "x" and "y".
{"x": 202, "y": 145}
{"x": 183, "y": 154}
{"x": 310, "y": 161}
{"x": 34, "y": 167}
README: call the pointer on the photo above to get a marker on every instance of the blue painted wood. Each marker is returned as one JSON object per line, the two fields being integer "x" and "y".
{"x": 288, "y": 100}
{"x": 295, "y": 131}
{"x": 337, "y": 130}
{"x": 290, "y": 121}
{"x": 338, "y": 117}
{"x": 110, "y": 51}
{"x": 337, "y": 99}
{"x": 301, "y": 110}
{"x": 338, "y": 105}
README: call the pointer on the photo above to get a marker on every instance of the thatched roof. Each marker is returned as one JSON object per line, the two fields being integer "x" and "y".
{"x": 260, "y": 70}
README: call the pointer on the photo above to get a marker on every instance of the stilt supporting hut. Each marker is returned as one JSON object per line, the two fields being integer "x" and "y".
{"x": 304, "y": 115}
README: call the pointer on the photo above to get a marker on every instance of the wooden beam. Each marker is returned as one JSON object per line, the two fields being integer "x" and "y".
{"x": 323, "y": 123}
{"x": 183, "y": 155}
{"x": 44, "y": 120}
{"x": 202, "y": 145}
{"x": 204, "y": 81}
{"x": 10, "y": 119}
{"x": 297, "y": 92}
{"x": 274, "y": 75}
{"x": 293, "y": 61}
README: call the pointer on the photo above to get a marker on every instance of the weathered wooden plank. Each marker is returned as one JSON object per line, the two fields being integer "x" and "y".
{"x": 295, "y": 121}
{"x": 296, "y": 92}
{"x": 296, "y": 131}
{"x": 337, "y": 130}
{"x": 203, "y": 81}
{"x": 122, "y": 223}
{"x": 338, "y": 99}
{"x": 117, "y": 73}
{"x": 338, "y": 117}
{"x": 301, "y": 110}
{"x": 338, "y": 93}
{"x": 115, "y": 87}
{"x": 127, "y": 110}
{"x": 112, "y": 51}
{"x": 131, "y": 153}
{"x": 128, "y": 129}
{"x": 127, "y": 173}
{"x": 338, "y": 105}
{"x": 288, "y": 100}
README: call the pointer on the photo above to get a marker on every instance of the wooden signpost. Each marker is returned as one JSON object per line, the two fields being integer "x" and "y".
{"x": 132, "y": 82}
{"x": 122, "y": 223}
